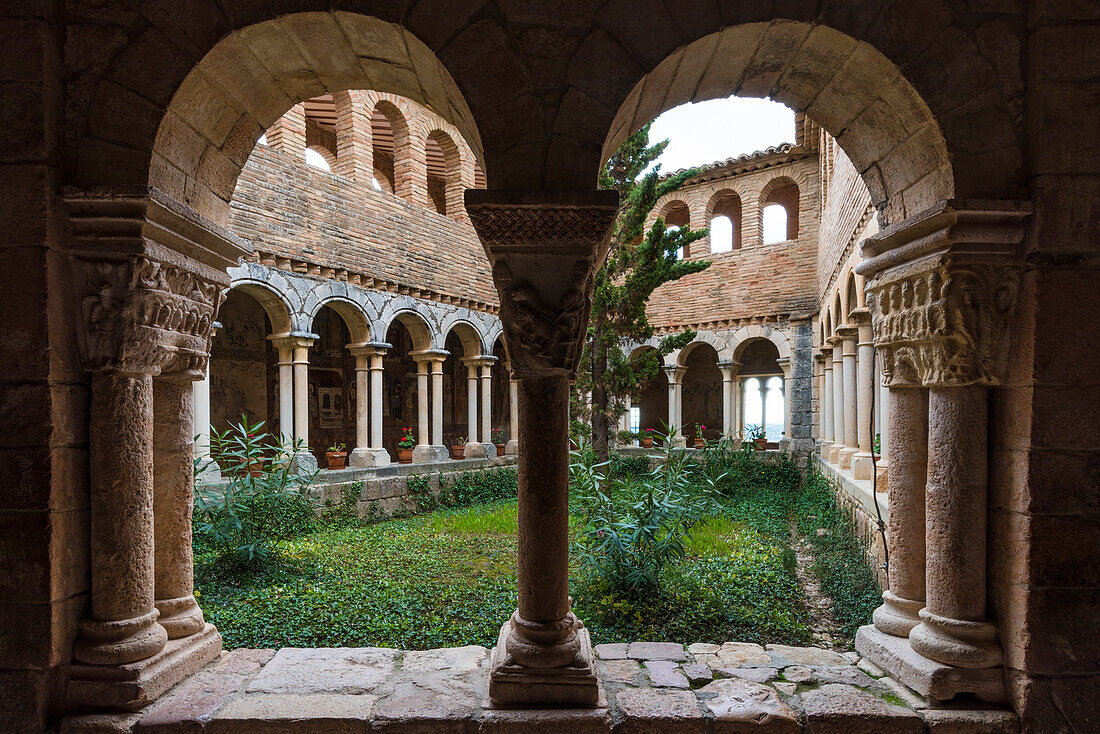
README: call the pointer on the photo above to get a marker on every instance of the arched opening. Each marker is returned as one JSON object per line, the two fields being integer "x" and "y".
{"x": 390, "y": 143}
{"x": 317, "y": 158}
{"x": 676, "y": 216}
{"x": 462, "y": 386}
{"x": 761, "y": 385}
{"x": 332, "y": 386}
{"x": 853, "y": 294}
{"x": 702, "y": 408}
{"x": 779, "y": 202}
{"x": 725, "y": 222}
{"x": 399, "y": 384}
{"x": 243, "y": 366}
{"x": 502, "y": 395}
{"x": 444, "y": 173}
{"x": 650, "y": 403}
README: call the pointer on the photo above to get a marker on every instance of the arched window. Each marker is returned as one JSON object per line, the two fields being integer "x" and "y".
{"x": 444, "y": 179}
{"x": 775, "y": 224}
{"x": 317, "y": 160}
{"x": 390, "y": 143}
{"x": 779, "y": 218}
{"x": 676, "y": 216}
{"x": 725, "y": 222}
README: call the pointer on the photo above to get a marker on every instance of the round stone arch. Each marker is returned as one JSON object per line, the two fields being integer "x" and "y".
{"x": 279, "y": 304}
{"x": 189, "y": 129}
{"x": 414, "y": 317}
{"x": 702, "y": 337}
{"x": 743, "y": 336}
{"x": 494, "y": 333}
{"x": 467, "y": 333}
{"x": 351, "y": 311}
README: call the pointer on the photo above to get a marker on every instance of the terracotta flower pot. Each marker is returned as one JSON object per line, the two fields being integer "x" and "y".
{"x": 457, "y": 452}
{"x": 404, "y": 456}
{"x": 647, "y": 443}
{"x": 700, "y": 443}
{"x": 761, "y": 443}
{"x": 336, "y": 459}
{"x": 500, "y": 449}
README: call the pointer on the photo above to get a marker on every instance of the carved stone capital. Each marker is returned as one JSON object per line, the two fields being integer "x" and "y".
{"x": 150, "y": 274}
{"x": 942, "y": 288}
{"x": 544, "y": 249}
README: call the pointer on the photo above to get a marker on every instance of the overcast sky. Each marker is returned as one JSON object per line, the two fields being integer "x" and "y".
{"x": 719, "y": 129}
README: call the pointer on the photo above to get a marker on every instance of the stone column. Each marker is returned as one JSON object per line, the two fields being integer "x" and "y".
{"x": 544, "y": 249}
{"x": 862, "y": 465}
{"x": 675, "y": 375}
{"x": 304, "y": 460}
{"x": 284, "y": 345}
{"x": 474, "y": 448}
{"x": 838, "y": 400}
{"x": 430, "y": 361}
{"x": 487, "y": 406}
{"x": 905, "y": 533}
{"x": 173, "y": 481}
{"x": 512, "y": 447}
{"x": 848, "y": 335}
{"x": 882, "y": 467}
{"x": 368, "y": 427}
{"x": 942, "y": 290}
{"x": 727, "y": 369}
{"x": 437, "y": 404}
{"x": 785, "y": 365}
{"x": 200, "y": 430}
{"x": 421, "y": 405}
{"x": 819, "y": 389}
{"x": 827, "y": 423}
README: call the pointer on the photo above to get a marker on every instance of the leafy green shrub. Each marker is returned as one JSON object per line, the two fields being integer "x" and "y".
{"x": 468, "y": 488}
{"x": 622, "y": 466}
{"x": 633, "y": 526}
{"x": 264, "y": 500}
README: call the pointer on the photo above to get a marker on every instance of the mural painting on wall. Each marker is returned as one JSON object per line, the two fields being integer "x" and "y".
{"x": 239, "y": 363}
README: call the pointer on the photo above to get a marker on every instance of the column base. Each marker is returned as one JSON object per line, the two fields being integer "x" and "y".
{"x": 927, "y": 677}
{"x": 209, "y": 473}
{"x": 135, "y": 685}
{"x": 882, "y": 481}
{"x": 897, "y": 616}
{"x": 119, "y": 642}
{"x": 824, "y": 449}
{"x": 511, "y": 448}
{"x": 475, "y": 450}
{"x": 303, "y": 462}
{"x": 844, "y": 457}
{"x": 425, "y": 454}
{"x": 570, "y": 686}
{"x": 956, "y": 642}
{"x": 834, "y": 453}
{"x": 180, "y": 617}
{"x": 367, "y": 457}
{"x": 862, "y": 466}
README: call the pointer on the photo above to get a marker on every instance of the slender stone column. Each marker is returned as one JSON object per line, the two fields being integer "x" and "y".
{"x": 838, "y": 400}
{"x": 848, "y": 335}
{"x": 727, "y": 369}
{"x": 905, "y": 532}
{"x": 862, "y": 465}
{"x": 173, "y": 481}
{"x": 544, "y": 250}
{"x": 285, "y": 348}
{"x": 429, "y": 362}
{"x": 437, "y": 402}
{"x": 122, "y": 627}
{"x": 512, "y": 447}
{"x": 882, "y": 466}
{"x": 487, "y": 407}
{"x": 421, "y": 404}
{"x": 368, "y": 377}
{"x": 304, "y": 459}
{"x": 819, "y": 389}
{"x": 954, "y": 630}
{"x": 200, "y": 430}
{"x": 675, "y": 375}
{"x": 785, "y": 365}
{"x": 475, "y": 448}
{"x": 828, "y": 426}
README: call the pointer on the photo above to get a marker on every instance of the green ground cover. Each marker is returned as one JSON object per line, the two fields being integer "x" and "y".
{"x": 447, "y": 577}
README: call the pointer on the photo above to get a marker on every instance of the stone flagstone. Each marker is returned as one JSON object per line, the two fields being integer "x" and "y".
{"x": 736, "y": 703}
{"x": 325, "y": 670}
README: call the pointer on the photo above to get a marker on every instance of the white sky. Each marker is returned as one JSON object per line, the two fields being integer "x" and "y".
{"x": 721, "y": 128}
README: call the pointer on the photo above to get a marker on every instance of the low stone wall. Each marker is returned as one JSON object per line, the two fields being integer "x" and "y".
{"x": 857, "y": 498}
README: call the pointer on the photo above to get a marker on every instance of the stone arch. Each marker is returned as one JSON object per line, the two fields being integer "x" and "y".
{"x": 846, "y": 85}
{"x": 276, "y": 303}
{"x": 726, "y": 202}
{"x": 839, "y": 318}
{"x": 414, "y": 316}
{"x": 744, "y": 335}
{"x": 351, "y": 311}
{"x": 192, "y": 126}
{"x": 493, "y": 334}
{"x": 782, "y": 191}
{"x": 851, "y": 294}
{"x": 702, "y": 337}
{"x": 466, "y": 332}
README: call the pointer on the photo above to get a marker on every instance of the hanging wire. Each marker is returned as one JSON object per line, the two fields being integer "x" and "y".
{"x": 874, "y": 470}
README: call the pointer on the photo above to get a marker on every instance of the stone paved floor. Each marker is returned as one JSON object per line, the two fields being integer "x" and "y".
{"x": 650, "y": 687}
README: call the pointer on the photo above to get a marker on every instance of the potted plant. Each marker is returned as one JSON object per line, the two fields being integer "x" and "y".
{"x": 647, "y": 438}
{"x": 755, "y": 435}
{"x": 498, "y": 440}
{"x": 700, "y": 442}
{"x": 337, "y": 456}
{"x": 405, "y": 446}
{"x": 458, "y": 448}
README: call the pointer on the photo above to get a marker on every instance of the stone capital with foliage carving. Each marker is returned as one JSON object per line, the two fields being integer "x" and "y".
{"x": 544, "y": 249}
{"x": 942, "y": 289}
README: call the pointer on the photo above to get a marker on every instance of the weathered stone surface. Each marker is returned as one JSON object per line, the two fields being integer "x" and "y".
{"x": 841, "y": 709}
{"x": 870, "y": 668}
{"x": 697, "y": 673}
{"x": 612, "y": 651}
{"x": 304, "y": 714}
{"x": 433, "y": 704}
{"x": 739, "y": 654}
{"x": 657, "y": 651}
{"x": 451, "y": 659}
{"x": 807, "y": 655}
{"x": 711, "y": 660}
{"x": 195, "y": 701}
{"x": 649, "y": 711}
{"x": 243, "y": 660}
{"x": 955, "y": 721}
{"x": 702, "y": 648}
{"x": 759, "y": 675}
{"x": 841, "y": 674}
{"x": 98, "y": 723}
{"x": 666, "y": 674}
{"x": 786, "y": 688}
{"x": 798, "y": 674}
{"x": 619, "y": 671}
{"x": 552, "y": 721}
{"x": 741, "y": 705}
{"x": 324, "y": 670}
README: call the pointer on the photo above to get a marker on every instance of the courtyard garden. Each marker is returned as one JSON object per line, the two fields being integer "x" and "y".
{"x": 695, "y": 547}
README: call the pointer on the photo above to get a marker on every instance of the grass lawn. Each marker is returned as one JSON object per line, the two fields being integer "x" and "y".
{"x": 448, "y": 578}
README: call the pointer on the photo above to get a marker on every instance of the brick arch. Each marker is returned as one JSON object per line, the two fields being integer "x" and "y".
{"x": 407, "y": 158}
{"x": 452, "y": 171}
{"x": 786, "y": 192}
{"x": 726, "y": 202}
{"x": 192, "y": 141}
{"x": 328, "y": 155}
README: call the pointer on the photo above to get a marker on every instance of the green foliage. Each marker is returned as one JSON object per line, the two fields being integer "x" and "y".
{"x": 468, "y": 488}
{"x": 344, "y": 513}
{"x": 632, "y": 526}
{"x": 264, "y": 500}
{"x": 839, "y": 554}
{"x": 629, "y": 466}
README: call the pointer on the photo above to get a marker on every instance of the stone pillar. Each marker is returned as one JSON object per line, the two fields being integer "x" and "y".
{"x": 200, "y": 430}
{"x": 474, "y": 448}
{"x": 675, "y": 375}
{"x": 819, "y": 389}
{"x": 487, "y": 407}
{"x": 942, "y": 291}
{"x": 838, "y": 400}
{"x": 728, "y": 419}
{"x": 284, "y": 345}
{"x": 145, "y": 312}
{"x": 368, "y": 427}
{"x": 827, "y": 423}
{"x": 430, "y": 362}
{"x": 862, "y": 464}
{"x": 785, "y": 365}
{"x": 512, "y": 447}
{"x": 304, "y": 460}
{"x": 848, "y": 335}
{"x": 173, "y": 481}
{"x": 882, "y": 467}
{"x": 905, "y": 533}
{"x": 544, "y": 249}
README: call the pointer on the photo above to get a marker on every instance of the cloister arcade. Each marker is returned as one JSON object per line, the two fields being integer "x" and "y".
{"x": 963, "y": 123}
